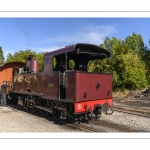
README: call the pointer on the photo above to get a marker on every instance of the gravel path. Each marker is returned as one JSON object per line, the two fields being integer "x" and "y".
{"x": 14, "y": 120}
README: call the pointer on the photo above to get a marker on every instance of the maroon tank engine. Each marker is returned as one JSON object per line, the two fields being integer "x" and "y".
{"x": 66, "y": 87}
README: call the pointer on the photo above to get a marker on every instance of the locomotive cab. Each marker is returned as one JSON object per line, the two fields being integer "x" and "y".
{"x": 75, "y": 63}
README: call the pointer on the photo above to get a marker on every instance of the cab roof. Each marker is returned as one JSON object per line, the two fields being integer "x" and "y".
{"x": 83, "y": 48}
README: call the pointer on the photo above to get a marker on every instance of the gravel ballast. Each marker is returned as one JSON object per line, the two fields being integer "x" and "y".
{"x": 14, "y": 120}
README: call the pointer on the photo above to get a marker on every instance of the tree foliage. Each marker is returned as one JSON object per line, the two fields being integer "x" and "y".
{"x": 22, "y": 55}
{"x": 54, "y": 62}
{"x": 99, "y": 66}
{"x": 1, "y": 56}
{"x": 71, "y": 64}
{"x": 146, "y": 59}
{"x": 135, "y": 43}
{"x": 40, "y": 58}
{"x": 126, "y": 62}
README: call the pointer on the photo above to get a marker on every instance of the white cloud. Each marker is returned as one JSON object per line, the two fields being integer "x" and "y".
{"x": 89, "y": 34}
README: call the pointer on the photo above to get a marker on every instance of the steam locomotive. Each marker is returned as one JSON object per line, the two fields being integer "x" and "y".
{"x": 65, "y": 88}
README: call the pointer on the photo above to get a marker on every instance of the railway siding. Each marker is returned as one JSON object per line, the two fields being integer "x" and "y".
{"x": 133, "y": 110}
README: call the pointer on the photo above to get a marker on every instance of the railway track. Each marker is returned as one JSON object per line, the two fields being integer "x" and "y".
{"x": 83, "y": 128}
{"x": 145, "y": 112}
{"x": 89, "y": 127}
{"x": 112, "y": 125}
{"x": 104, "y": 124}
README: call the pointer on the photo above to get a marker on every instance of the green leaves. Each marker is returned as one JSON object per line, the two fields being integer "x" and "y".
{"x": 71, "y": 64}
{"x": 1, "y": 56}
{"x": 54, "y": 62}
{"x": 135, "y": 43}
{"x": 126, "y": 63}
{"x": 130, "y": 71}
{"x": 22, "y": 55}
{"x": 40, "y": 58}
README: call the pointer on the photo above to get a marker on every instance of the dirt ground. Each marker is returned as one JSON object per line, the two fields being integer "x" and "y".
{"x": 137, "y": 98}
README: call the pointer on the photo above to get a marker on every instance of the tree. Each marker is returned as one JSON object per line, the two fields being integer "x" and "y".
{"x": 146, "y": 59}
{"x": 99, "y": 66}
{"x": 128, "y": 72}
{"x": 126, "y": 62}
{"x": 135, "y": 43}
{"x": 1, "y": 56}
{"x": 40, "y": 58}
{"x": 20, "y": 56}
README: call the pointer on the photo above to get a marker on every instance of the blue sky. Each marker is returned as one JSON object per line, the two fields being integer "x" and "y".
{"x": 46, "y": 34}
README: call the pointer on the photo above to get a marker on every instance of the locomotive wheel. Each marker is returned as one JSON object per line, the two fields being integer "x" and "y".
{"x": 33, "y": 109}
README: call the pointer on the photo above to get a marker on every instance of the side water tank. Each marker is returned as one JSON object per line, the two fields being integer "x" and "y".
{"x": 34, "y": 65}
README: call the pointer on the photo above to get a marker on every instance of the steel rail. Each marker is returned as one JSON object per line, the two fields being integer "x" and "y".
{"x": 145, "y": 112}
{"x": 114, "y": 126}
{"x": 83, "y": 127}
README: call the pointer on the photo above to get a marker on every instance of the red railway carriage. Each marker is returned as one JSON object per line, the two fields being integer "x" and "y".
{"x": 65, "y": 88}
{"x": 8, "y": 70}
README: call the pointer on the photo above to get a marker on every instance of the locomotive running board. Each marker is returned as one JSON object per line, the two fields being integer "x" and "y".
{"x": 27, "y": 93}
{"x": 44, "y": 108}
